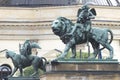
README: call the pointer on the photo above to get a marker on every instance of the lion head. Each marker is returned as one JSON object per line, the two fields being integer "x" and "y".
{"x": 61, "y": 26}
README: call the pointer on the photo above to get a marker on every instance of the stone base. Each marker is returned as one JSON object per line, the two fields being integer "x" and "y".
{"x": 23, "y": 78}
{"x": 81, "y": 76}
{"x": 82, "y": 70}
{"x": 85, "y": 65}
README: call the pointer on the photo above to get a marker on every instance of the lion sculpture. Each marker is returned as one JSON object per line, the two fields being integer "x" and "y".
{"x": 63, "y": 26}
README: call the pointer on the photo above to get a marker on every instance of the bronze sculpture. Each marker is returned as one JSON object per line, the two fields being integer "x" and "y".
{"x": 84, "y": 16}
{"x": 25, "y": 50}
{"x": 63, "y": 27}
{"x": 25, "y": 59}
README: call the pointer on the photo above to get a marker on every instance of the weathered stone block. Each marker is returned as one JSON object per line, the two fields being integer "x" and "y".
{"x": 23, "y": 78}
{"x": 87, "y": 65}
{"x": 83, "y": 70}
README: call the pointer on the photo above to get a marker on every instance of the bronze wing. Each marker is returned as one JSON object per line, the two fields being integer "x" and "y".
{"x": 93, "y": 11}
{"x": 35, "y": 45}
{"x": 79, "y": 11}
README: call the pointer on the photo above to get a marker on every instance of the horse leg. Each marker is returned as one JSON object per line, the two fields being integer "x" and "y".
{"x": 73, "y": 51}
{"x": 21, "y": 70}
{"x": 35, "y": 63}
{"x": 68, "y": 46}
{"x": 13, "y": 72}
{"x": 35, "y": 70}
{"x": 43, "y": 67}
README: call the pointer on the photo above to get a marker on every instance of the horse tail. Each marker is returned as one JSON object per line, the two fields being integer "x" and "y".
{"x": 111, "y": 37}
{"x": 44, "y": 61}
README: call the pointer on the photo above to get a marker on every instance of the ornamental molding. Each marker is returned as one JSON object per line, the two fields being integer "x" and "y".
{"x": 47, "y": 25}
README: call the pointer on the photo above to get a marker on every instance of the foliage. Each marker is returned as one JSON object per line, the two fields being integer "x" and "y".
{"x": 29, "y": 71}
{"x": 83, "y": 55}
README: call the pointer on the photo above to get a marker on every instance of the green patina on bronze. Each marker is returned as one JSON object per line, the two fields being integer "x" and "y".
{"x": 25, "y": 59}
{"x": 72, "y": 34}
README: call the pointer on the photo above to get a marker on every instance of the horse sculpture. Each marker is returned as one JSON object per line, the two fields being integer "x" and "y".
{"x": 25, "y": 59}
{"x": 63, "y": 26}
{"x": 20, "y": 62}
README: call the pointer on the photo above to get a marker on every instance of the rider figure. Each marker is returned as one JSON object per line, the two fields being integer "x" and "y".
{"x": 26, "y": 48}
{"x": 84, "y": 18}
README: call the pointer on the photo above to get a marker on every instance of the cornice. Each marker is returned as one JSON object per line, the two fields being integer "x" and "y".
{"x": 47, "y": 24}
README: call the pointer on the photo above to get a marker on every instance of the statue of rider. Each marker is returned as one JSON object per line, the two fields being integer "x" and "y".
{"x": 85, "y": 14}
{"x": 26, "y": 49}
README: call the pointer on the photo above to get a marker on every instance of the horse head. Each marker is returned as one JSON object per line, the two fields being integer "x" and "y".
{"x": 61, "y": 26}
{"x": 10, "y": 54}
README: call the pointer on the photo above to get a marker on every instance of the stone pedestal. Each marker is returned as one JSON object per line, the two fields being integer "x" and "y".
{"x": 82, "y": 70}
{"x": 23, "y": 78}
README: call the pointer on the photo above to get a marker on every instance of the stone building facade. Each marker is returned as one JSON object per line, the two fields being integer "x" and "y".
{"x": 18, "y": 24}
